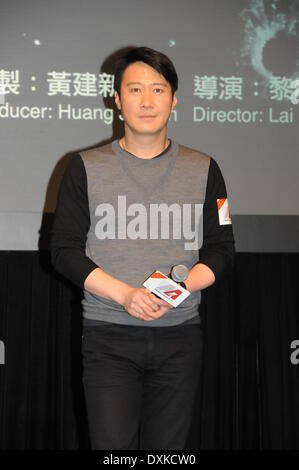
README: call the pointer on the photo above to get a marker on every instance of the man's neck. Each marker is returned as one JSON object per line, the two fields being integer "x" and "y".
{"x": 144, "y": 147}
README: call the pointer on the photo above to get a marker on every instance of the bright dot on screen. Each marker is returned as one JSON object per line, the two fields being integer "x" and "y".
{"x": 37, "y": 42}
{"x": 171, "y": 43}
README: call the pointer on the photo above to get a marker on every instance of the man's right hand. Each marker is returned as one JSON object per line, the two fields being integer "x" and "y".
{"x": 141, "y": 303}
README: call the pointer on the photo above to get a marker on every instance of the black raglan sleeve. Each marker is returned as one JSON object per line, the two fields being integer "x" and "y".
{"x": 71, "y": 225}
{"x": 218, "y": 247}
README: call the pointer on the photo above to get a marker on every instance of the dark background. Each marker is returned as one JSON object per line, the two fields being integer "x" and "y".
{"x": 250, "y": 387}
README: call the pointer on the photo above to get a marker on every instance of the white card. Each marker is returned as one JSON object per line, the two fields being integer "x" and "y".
{"x": 166, "y": 288}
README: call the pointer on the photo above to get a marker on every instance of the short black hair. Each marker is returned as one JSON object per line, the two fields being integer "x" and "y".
{"x": 155, "y": 59}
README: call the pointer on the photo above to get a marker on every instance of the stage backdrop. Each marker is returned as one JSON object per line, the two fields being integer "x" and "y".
{"x": 238, "y": 68}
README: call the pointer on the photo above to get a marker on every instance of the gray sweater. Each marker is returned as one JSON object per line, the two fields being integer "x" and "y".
{"x": 131, "y": 216}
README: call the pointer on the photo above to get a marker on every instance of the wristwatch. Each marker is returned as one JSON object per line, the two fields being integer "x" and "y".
{"x": 182, "y": 284}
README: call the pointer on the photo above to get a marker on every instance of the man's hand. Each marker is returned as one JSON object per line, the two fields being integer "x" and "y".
{"x": 142, "y": 304}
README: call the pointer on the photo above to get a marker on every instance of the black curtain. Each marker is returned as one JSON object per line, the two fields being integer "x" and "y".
{"x": 250, "y": 387}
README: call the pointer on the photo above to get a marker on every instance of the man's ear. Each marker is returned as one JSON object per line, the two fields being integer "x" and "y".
{"x": 117, "y": 100}
{"x": 174, "y": 101}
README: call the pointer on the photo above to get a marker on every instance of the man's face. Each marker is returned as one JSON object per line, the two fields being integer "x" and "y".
{"x": 146, "y": 99}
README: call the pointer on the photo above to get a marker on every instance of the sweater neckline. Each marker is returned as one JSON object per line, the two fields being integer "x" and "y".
{"x": 156, "y": 156}
{"x": 165, "y": 160}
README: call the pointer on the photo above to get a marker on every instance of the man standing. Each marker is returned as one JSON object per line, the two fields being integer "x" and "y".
{"x": 124, "y": 210}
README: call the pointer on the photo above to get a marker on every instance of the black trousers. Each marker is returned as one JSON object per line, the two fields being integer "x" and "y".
{"x": 142, "y": 386}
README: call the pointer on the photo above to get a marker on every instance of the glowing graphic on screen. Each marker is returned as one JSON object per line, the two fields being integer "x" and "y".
{"x": 271, "y": 32}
